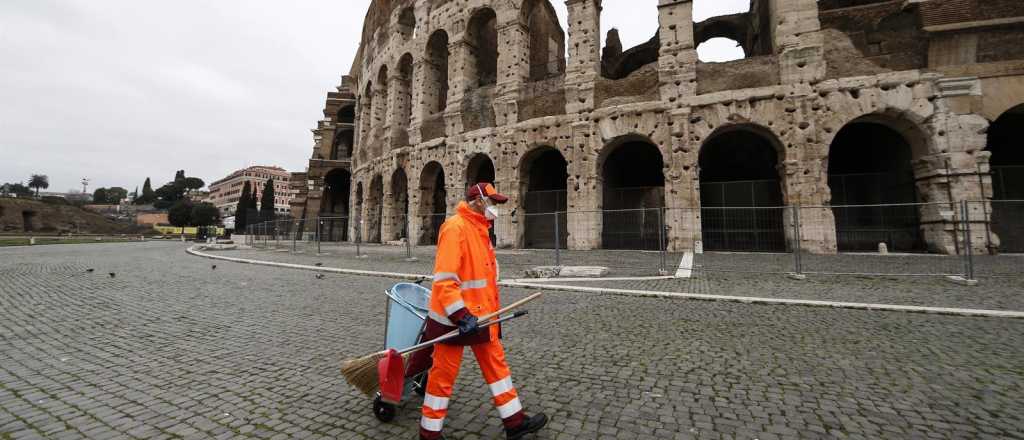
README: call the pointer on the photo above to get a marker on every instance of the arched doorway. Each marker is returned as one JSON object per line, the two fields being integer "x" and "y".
{"x": 873, "y": 189}
{"x": 740, "y": 192}
{"x": 433, "y": 202}
{"x": 546, "y": 38}
{"x": 399, "y": 205}
{"x": 479, "y": 169}
{"x": 633, "y": 182}
{"x": 435, "y": 88}
{"x": 1007, "y": 167}
{"x": 482, "y": 41}
{"x": 543, "y": 176}
{"x": 334, "y": 206}
{"x": 375, "y": 211}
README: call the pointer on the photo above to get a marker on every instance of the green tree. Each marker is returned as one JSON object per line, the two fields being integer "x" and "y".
{"x": 135, "y": 194}
{"x": 205, "y": 214}
{"x": 38, "y": 181}
{"x": 179, "y": 175}
{"x": 267, "y": 201}
{"x": 116, "y": 194}
{"x": 147, "y": 195}
{"x": 180, "y": 214}
{"x": 17, "y": 189}
{"x": 193, "y": 183}
{"x": 99, "y": 196}
{"x": 242, "y": 210}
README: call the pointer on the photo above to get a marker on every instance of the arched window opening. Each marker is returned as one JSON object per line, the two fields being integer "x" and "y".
{"x": 407, "y": 23}
{"x": 628, "y": 45}
{"x": 1007, "y": 172}
{"x": 633, "y": 179}
{"x": 375, "y": 211}
{"x": 479, "y": 169}
{"x": 547, "y": 40}
{"x": 543, "y": 177}
{"x": 342, "y": 148}
{"x": 433, "y": 202}
{"x": 334, "y": 206}
{"x": 873, "y": 189}
{"x": 399, "y": 205}
{"x": 435, "y": 88}
{"x": 381, "y": 101}
{"x": 740, "y": 192}
{"x": 482, "y": 39}
{"x": 720, "y": 50}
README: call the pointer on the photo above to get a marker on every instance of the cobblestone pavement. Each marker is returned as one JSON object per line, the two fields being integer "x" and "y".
{"x": 172, "y": 348}
{"x": 995, "y": 293}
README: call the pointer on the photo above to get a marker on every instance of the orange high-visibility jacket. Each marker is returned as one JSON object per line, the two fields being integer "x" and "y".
{"x": 465, "y": 275}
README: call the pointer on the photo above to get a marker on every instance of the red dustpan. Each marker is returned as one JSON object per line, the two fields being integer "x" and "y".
{"x": 391, "y": 371}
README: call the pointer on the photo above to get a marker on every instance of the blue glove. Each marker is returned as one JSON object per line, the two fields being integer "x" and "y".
{"x": 468, "y": 325}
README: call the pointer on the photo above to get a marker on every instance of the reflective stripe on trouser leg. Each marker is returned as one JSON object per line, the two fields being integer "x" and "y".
{"x": 491, "y": 357}
{"x": 440, "y": 382}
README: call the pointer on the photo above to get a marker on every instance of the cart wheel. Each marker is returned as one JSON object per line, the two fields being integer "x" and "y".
{"x": 421, "y": 386}
{"x": 384, "y": 411}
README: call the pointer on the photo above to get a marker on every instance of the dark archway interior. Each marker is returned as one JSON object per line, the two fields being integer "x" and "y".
{"x": 433, "y": 203}
{"x": 483, "y": 42}
{"x": 740, "y": 193}
{"x": 480, "y": 169}
{"x": 547, "y": 40}
{"x": 870, "y": 164}
{"x": 400, "y": 204}
{"x": 334, "y": 211}
{"x": 544, "y": 179}
{"x": 343, "y": 142}
{"x": 1007, "y": 166}
{"x": 27, "y": 221}
{"x": 633, "y": 195}
{"x": 375, "y": 213}
{"x": 435, "y": 92}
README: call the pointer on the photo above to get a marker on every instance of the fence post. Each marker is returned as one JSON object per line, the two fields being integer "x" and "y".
{"x": 661, "y": 241}
{"x": 558, "y": 242}
{"x": 968, "y": 251}
{"x": 359, "y": 236}
{"x": 796, "y": 240}
{"x": 295, "y": 228}
{"x": 408, "y": 241}
{"x": 316, "y": 236}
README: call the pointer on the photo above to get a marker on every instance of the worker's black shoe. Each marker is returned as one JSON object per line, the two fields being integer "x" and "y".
{"x": 529, "y": 426}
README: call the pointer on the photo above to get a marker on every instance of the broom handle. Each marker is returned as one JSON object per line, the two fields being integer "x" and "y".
{"x": 487, "y": 320}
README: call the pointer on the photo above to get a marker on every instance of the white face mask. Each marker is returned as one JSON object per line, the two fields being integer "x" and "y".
{"x": 491, "y": 211}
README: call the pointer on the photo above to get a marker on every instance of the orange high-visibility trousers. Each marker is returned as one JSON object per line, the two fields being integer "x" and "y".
{"x": 445, "y": 369}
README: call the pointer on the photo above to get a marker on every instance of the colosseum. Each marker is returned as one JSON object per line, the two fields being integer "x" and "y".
{"x": 837, "y": 104}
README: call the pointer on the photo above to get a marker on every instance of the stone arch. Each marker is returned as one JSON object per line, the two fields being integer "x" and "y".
{"x": 543, "y": 184}
{"x": 433, "y": 202}
{"x": 399, "y": 202}
{"x": 479, "y": 168}
{"x": 381, "y": 102}
{"x": 481, "y": 40}
{"x": 546, "y": 39}
{"x": 1007, "y": 172}
{"x": 341, "y": 149}
{"x": 872, "y": 185}
{"x": 334, "y": 208}
{"x": 741, "y": 190}
{"x": 403, "y": 100}
{"x": 631, "y": 173}
{"x": 375, "y": 209}
{"x": 435, "y": 85}
{"x": 407, "y": 22}
{"x": 357, "y": 211}
{"x": 366, "y": 112}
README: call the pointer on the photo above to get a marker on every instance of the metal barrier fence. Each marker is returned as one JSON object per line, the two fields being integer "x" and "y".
{"x": 913, "y": 239}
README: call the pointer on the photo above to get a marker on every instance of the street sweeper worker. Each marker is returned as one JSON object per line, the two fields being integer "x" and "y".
{"x": 465, "y": 287}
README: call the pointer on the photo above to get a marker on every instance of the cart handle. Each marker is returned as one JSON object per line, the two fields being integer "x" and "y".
{"x": 455, "y": 333}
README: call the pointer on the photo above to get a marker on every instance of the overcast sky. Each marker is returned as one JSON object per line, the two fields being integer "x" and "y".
{"x": 121, "y": 90}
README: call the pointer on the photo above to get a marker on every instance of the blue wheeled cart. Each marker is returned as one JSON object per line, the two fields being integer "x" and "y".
{"x": 405, "y": 318}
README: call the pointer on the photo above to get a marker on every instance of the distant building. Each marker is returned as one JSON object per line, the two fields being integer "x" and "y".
{"x": 225, "y": 192}
{"x": 151, "y": 218}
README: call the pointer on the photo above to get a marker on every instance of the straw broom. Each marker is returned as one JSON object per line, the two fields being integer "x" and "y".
{"x": 362, "y": 372}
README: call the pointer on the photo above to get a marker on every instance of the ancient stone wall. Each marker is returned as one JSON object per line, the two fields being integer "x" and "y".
{"x": 421, "y": 132}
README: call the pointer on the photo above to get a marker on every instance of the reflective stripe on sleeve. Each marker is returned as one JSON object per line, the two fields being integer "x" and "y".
{"x": 441, "y": 276}
{"x": 454, "y": 307}
{"x": 433, "y": 425}
{"x": 501, "y": 387}
{"x": 473, "y": 284}
{"x": 434, "y": 402}
{"x": 510, "y": 409}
